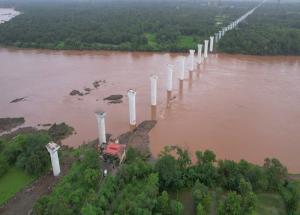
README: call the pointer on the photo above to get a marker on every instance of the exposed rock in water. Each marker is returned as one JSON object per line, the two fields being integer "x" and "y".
{"x": 45, "y": 125}
{"x": 18, "y": 100}
{"x": 24, "y": 130}
{"x": 139, "y": 138}
{"x": 76, "y": 92}
{"x": 60, "y": 131}
{"x": 87, "y": 89}
{"x": 96, "y": 84}
{"x": 115, "y": 101}
{"x": 114, "y": 97}
{"x": 6, "y": 124}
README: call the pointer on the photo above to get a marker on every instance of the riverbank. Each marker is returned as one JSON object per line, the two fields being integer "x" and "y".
{"x": 208, "y": 185}
{"x": 26, "y": 193}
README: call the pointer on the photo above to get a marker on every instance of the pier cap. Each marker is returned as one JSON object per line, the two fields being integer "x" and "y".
{"x": 52, "y": 147}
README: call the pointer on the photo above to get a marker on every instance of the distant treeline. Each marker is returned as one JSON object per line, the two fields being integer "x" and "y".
{"x": 151, "y": 26}
{"x": 273, "y": 29}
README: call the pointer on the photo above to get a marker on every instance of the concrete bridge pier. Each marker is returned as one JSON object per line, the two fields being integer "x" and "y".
{"x": 170, "y": 78}
{"x": 52, "y": 149}
{"x": 181, "y": 68}
{"x": 211, "y": 44}
{"x": 206, "y": 48}
{"x": 153, "y": 82}
{"x": 132, "y": 107}
{"x": 192, "y": 59}
{"x": 200, "y": 53}
{"x": 101, "y": 127}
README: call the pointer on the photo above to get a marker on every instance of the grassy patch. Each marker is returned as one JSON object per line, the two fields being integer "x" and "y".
{"x": 12, "y": 182}
{"x": 186, "y": 42}
{"x": 270, "y": 204}
{"x": 151, "y": 40}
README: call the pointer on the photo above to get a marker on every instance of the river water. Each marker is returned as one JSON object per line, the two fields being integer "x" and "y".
{"x": 239, "y": 106}
{"x": 7, "y": 14}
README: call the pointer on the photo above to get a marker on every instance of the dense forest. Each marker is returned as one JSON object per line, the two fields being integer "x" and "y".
{"x": 151, "y": 26}
{"x": 143, "y": 187}
{"x": 273, "y": 29}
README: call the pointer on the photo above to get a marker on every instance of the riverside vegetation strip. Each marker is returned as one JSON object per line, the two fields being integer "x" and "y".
{"x": 143, "y": 187}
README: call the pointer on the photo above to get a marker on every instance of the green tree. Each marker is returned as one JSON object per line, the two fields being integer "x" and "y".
{"x": 276, "y": 173}
{"x": 201, "y": 195}
{"x": 176, "y": 208}
{"x": 231, "y": 205}
{"x": 229, "y": 175}
{"x": 200, "y": 209}
{"x": 3, "y": 165}
{"x": 205, "y": 169}
{"x": 290, "y": 195}
{"x": 163, "y": 203}
{"x": 248, "y": 197}
{"x": 169, "y": 173}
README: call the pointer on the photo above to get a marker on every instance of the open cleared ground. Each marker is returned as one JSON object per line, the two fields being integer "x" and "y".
{"x": 12, "y": 182}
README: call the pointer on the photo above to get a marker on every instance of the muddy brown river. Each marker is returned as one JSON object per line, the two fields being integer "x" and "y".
{"x": 239, "y": 106}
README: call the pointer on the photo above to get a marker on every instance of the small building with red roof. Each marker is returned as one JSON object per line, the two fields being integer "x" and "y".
{"x": 114, "y": 150}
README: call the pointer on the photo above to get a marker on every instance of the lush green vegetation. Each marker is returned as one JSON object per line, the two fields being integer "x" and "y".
{"x": 151, "y": 26}
{"x": 24, "y": 158}
{"x": 141, "y": 187}
{"x": 271, "y": 30}
{"x": 26, "y": 152}
{"x": 270, "y": 204}
{"x": 13, "y": 181}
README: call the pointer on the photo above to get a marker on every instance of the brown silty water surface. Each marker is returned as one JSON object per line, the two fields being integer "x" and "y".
{"x": 239, "y": 106}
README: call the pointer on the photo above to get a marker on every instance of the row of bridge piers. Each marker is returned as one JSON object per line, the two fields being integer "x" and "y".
{"x": 186, "y": 64}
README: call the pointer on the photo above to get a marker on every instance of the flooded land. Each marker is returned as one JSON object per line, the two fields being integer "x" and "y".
{"x": 239, "y": 106}
{"x": 7, "y": 14}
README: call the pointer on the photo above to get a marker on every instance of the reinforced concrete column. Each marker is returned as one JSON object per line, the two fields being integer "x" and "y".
{"x": 101, "y": 127}
{"x": 132, "y": 107}
{"x": 52, "y": 149}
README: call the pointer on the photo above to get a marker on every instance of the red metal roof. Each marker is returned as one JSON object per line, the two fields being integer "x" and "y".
{"x": 114, "y": 149}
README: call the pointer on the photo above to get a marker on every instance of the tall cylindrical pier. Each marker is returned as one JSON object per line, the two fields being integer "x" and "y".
{"x": 206, "y": 48}
{"x": 170, "y": 78}
{"x": 192, "y": 57}
{"x": 181, "y": 68}
{"x": 101, "y": 127}
{"x": 153, "y": 80}
{"x": 216, "y": 37}
{"x": 211, "y": 44}
{"x": 200, "y": 53}
{"x": 52, "y": 149}
{"x": 132, "y": 107}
